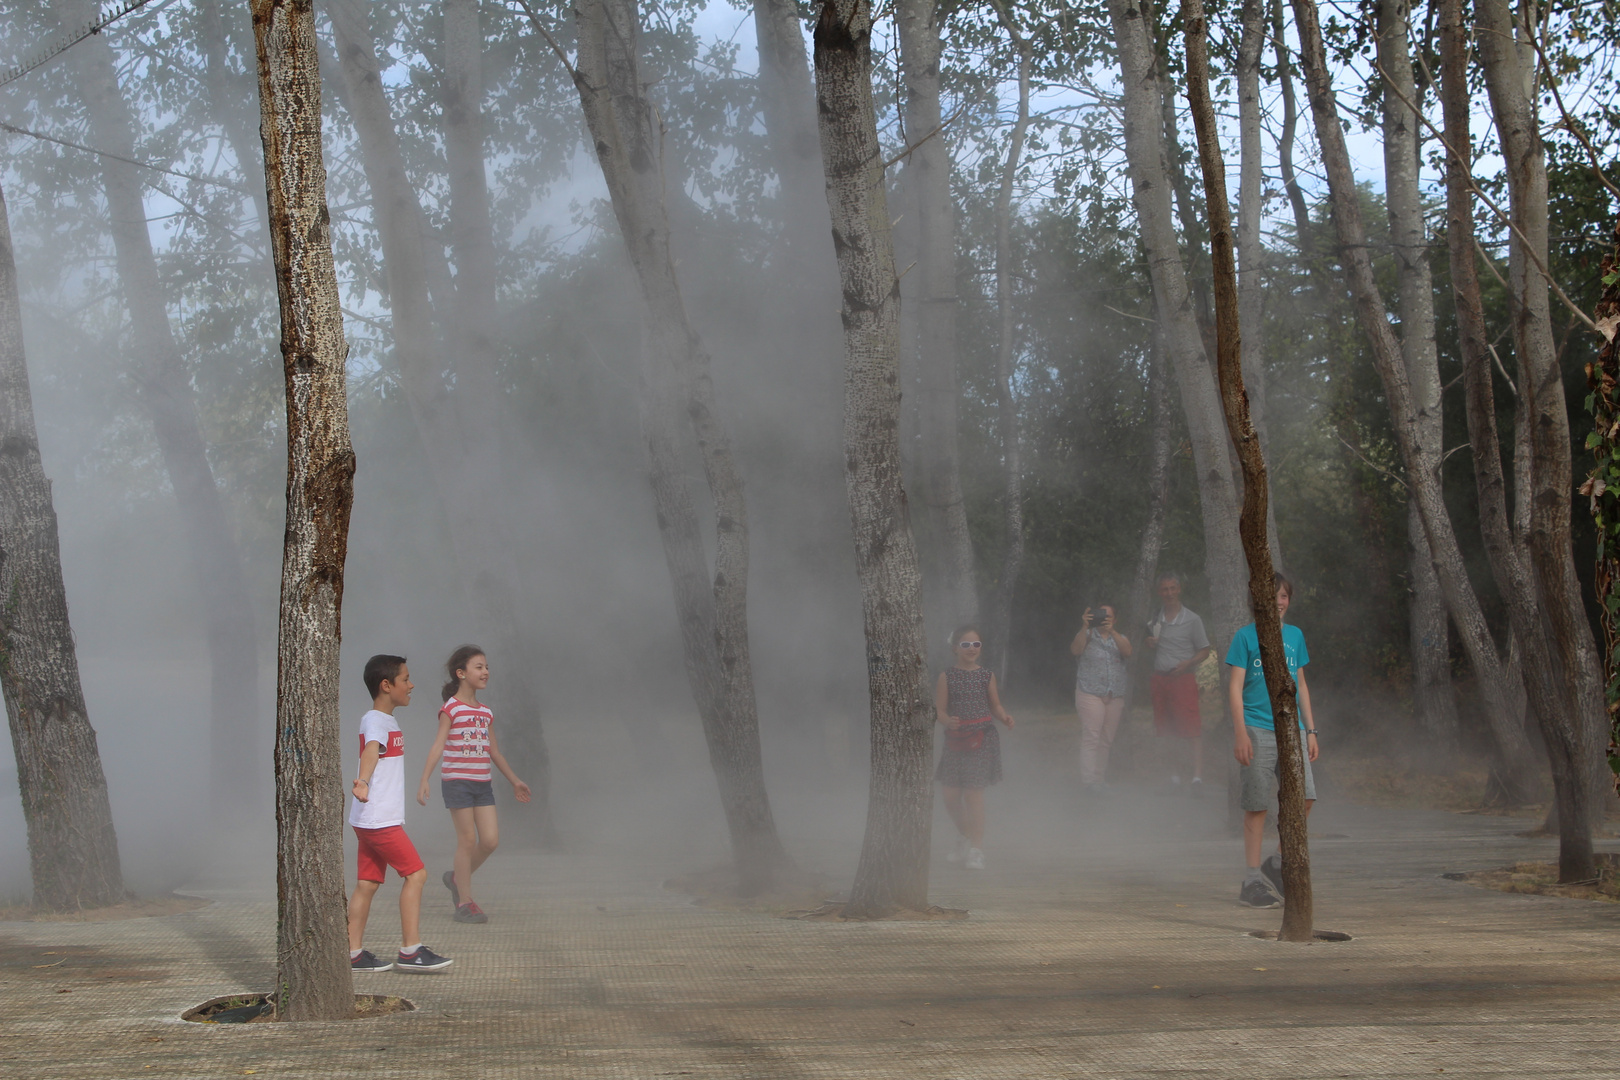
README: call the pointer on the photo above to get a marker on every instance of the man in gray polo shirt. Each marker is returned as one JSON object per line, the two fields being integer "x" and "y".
{"x": 1176, "y": 636}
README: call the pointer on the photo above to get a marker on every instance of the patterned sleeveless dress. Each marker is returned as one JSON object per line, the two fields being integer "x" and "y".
{"x": 963, "y": 764}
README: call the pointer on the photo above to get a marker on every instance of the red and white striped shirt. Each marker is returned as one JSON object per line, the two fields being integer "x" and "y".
{"x": 466, "y": 748}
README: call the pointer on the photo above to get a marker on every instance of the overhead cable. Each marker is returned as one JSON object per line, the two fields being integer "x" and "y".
{"x": 72, "y": 38}
{"x": 126, "y": 160}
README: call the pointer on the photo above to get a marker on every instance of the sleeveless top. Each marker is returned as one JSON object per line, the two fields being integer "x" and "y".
{"x": 967, "y": 693}
{"x": 466, "y": 749}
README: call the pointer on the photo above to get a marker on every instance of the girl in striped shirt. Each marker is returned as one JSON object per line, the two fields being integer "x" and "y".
{"x": 467, "y": 743}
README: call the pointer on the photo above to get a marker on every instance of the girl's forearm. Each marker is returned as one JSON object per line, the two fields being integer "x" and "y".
{"x": 506, "y": 770}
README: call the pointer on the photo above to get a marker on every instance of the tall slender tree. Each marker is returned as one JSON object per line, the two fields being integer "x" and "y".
{"x": 1498, "y": 682}
{"x": 926, "y": 182}
{"x": 72, "y": 846}
{"x": 1179, "y": 332}
{"x": 627, "y": 138}
{"x": 1291, "y": 828}
{"x": 313, "y": 980}
{"x": 893, "y": 870}
{"x": 1429, "y": 632}
{"x": 165, "y": 393}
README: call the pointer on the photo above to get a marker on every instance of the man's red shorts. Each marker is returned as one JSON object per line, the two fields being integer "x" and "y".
{"x": 385, "y": 847}
{"x": 1175, "y": 705}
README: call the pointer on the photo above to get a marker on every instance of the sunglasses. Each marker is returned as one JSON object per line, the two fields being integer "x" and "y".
{"x": 970, "y": 644}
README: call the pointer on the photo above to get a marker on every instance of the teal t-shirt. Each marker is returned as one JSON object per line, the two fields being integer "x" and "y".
{"x": 1245, "y": 653}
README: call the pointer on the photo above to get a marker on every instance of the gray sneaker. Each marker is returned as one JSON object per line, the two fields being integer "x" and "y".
{"x": 1257, "y": 894}
{"x": 368, "y": 962}
{"x": 422, "y": 960}
{"x": 1271, "y": 870}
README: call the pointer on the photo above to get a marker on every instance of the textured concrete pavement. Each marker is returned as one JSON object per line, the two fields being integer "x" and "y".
{"x": 1104, "y": 941}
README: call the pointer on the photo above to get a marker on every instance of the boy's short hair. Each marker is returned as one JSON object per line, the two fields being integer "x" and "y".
{"x": 380, "y": 669}
{"x": 1283, "y": 584}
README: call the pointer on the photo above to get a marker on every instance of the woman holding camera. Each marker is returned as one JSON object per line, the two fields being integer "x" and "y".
{"x": 1099, "y": 690}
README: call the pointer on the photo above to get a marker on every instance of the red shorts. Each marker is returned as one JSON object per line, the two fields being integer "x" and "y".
{"x": 1175, "y": 705}
{"x": 385, "y": 847}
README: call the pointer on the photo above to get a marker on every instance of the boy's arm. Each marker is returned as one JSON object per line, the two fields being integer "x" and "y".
{"x": 1242, "y": 748}
{"x": 1311, "y": 748}
{"x": 433, "y": 758}
{"x": 368, "y": 765}
{"x": 519, "y": 788}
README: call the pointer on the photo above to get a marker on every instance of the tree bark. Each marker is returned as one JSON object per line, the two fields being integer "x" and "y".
{"x": 893, "y": 870}
{"x": 1291, "y": 830}
{"x": 627, "y": 140}
{"x": 1250, "y": 253}
{"x": 1183, "y": 342}
{"x": 999, "y": 630}
{"x": 313, "y": 981}
{"x": 926, "y": 181}
{"x": 166, "y": 394}
{"x": 1429, "y": 634}
{"x": 1574, "y": 732}
{"x": 72, "y": 846}
{"x": 1496, "y": 690}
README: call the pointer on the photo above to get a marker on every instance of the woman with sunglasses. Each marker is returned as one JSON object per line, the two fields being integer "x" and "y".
{"x": 966, "y": 702}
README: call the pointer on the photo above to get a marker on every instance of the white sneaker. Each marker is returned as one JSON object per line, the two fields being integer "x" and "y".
{"x": 959, "y": 850}
{"x": 975, "y": 859}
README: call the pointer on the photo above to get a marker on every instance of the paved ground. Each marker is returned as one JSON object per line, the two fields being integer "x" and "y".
{"x": 1103, "y": 942}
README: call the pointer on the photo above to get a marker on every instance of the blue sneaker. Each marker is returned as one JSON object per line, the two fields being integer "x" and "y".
{"x": 422, "y": 960}
{"x": 367, "y": 961}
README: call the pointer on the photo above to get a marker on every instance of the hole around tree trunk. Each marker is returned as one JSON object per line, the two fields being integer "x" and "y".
{"x": 1316, "y": 935}
{"x": 258, "y": 1008}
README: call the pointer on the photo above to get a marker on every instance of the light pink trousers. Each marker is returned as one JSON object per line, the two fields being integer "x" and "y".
{"x": 1099, "y": 722}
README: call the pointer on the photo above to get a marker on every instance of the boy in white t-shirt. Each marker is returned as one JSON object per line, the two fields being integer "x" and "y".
{"x": 378, "y": 818}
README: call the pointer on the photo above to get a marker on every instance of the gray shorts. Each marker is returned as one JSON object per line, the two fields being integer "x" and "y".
{"x": 1260, "y": 775}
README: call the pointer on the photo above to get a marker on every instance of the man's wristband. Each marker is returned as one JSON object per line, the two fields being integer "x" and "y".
{"x": 362, "y": 780}
{"x": 1310, "y": 731}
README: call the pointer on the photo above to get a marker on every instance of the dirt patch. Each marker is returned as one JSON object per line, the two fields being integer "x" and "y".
{"x": 718, "y": 888}
{"x": 1541, "y": 879}
{"x": 134, "y": 908}
{"x": 259, "y": 1009}
{"x": 834, "y": 912}
{"x": 1383, "y": 782}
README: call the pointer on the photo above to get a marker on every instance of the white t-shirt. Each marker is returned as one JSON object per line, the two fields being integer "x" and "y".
{"x": 386, "y": 799}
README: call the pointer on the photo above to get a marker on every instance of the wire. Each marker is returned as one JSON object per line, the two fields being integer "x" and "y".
{"x": 95, "y": 26}
{"x": 126, "y": 160}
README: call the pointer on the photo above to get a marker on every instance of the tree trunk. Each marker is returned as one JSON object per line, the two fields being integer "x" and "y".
{"x": 927, "y": 183}
{"x": 1250, "y": 253}
{"x": 165, "y": 392}
{"x": 313, "y": 981}
{"x": 1419, "y": 458}
{"x": 1602, "y": 486}
{"x": 628, "y": 143}
{"x": 1428, "y": 631}
{"x": 1183, "y": 343}
{"x": 72, "y": 847}
{"x": 1573, "y": 733}
{"x": 431, "y": 343}
{"x": 1291, "y": 830}
{"x": 233, "y": 98}
{"x": 999, "y": 630}
{"x": 893, "y": 871}
{"x": 787, "y": 100}
{"x": 1140, "y": 600}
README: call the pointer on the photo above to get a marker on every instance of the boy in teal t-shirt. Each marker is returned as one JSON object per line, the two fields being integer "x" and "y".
{"x": 1255, "y": 744}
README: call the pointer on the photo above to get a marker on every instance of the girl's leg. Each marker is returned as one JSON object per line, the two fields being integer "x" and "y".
{"x": 1090, "y": 709}
{"x": 466, "y": 846}
{"x": 489, "y": 837}
{"x": 973, "y": 816}
{"x": 953, "y": 807}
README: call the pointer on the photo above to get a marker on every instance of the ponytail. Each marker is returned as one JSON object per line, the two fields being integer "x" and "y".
{"x": 458, "y": 662}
